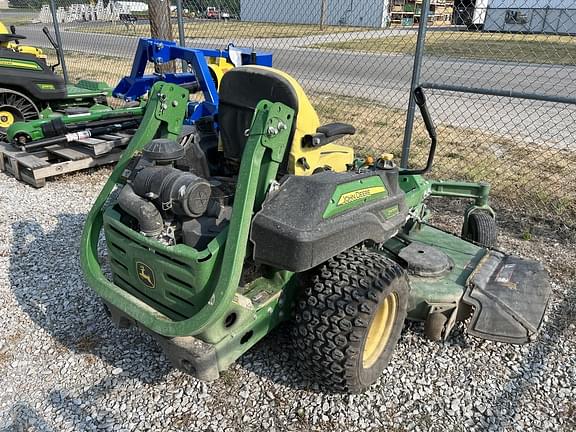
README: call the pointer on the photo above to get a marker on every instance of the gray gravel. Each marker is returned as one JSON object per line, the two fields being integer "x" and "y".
{"x": 63, "y": 367}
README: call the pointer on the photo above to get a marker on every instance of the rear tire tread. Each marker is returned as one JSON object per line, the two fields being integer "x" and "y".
{"x": 335, "y": 311}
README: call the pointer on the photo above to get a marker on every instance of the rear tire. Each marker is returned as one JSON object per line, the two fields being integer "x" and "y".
{"x": 349, "y": 319}
{"x": 15, "y": 106}
{"x": 481, "y": 229}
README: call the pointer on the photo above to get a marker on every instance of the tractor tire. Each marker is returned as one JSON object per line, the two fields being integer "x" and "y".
{"x": 481, "y": 229}
{"x": 15, "y": 106}
{"x": 349, "y": 319}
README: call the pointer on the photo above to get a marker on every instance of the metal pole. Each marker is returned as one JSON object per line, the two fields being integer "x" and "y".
{"x": 58, "y": 39}
{"x": 323, "y": 10}
{"x": 500, "y": 93}
{"x": 181, "y": 35}
{"x": 418, "y": 56}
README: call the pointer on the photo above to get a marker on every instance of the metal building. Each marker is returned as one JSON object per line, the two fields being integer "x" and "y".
{"x": 366, "y": 13}
{"x": 527, "y": 16}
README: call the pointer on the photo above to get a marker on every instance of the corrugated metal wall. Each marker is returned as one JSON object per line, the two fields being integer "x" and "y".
{"x": 368, "y": 13}
{"x": 546, "y": 20}
{"x": 537, "y": 16}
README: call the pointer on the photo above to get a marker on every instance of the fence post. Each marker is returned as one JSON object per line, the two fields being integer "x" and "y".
{"x": 181, "y": 35}
{"x": 323, "y": 11}
{"x": 60, "y": 52}
{"x": 418, "y": 56}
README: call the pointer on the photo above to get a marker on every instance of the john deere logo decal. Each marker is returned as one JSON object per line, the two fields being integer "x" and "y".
{"x": 146, "y": 275}
{"x": 360, "y": 194}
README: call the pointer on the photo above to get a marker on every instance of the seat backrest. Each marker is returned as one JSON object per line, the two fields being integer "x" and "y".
{"x": 242, "y": 88}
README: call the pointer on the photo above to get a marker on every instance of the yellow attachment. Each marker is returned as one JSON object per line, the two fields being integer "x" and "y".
{"x": 26, "y": 49}
{"x": 6, "y": 119}
{"x": 387, "y": 156}
{"x": 218, "y": 67}
{"x": 305, "y": 160}
{"x": 380, "y": 330}
{"x": 3, "y": 28}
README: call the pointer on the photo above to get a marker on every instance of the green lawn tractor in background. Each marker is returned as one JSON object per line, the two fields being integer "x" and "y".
{"x": 211, "y": 246}
{"x": 28, "y": 85}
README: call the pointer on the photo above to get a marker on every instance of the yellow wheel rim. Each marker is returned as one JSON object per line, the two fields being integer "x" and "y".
{"x": 6, "y": 119}
{"x": 380, "y": 330}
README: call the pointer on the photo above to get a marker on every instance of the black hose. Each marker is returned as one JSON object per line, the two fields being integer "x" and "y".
{"x": 148, "y": 217}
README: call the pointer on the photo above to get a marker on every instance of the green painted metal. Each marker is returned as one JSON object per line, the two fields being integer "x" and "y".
{"x": 183, "y": 276}
{"x": 6, "y": 62}
{"x": 447, "y": 289}
{"x": 94, "y": 86}
{"x": 355, "y": 194}
{"x": 213, "y": 275}
{"x": 479, "y": 192}
{"x": 268, "y": 302}
{"x": 159, "y": 120}
{"x": 33, "y": 129}
{"x": 75, "y": 92}
{"x": 416, "y": 188}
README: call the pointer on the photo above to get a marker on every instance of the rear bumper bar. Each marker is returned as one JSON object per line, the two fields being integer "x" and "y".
{"x": 187, "y": 353}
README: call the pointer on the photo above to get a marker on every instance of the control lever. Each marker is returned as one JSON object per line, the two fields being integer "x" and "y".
{"x": 54, "y": 44}
{"x": 420, "y": 99}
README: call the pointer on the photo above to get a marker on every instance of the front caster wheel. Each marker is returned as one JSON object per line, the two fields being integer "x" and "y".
{"x": 349, "y": 319}
{"x": 481, "y": 229}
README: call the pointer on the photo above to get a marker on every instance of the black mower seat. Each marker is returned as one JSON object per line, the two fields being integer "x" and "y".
{"x": 241, "y": 90}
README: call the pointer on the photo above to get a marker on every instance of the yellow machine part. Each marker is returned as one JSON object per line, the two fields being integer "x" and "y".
{"x": 218, "y": 67}
{"x": 24, "y": 49}
{"x": 334, "y": 156}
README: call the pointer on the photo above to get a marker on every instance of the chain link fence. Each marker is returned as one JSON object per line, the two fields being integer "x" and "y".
{"x": 499, "y": 74}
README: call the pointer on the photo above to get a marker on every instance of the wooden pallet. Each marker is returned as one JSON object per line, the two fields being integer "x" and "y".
{"x": 35, "y": 168}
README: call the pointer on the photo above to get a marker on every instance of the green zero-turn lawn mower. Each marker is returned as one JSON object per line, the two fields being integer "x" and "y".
{"x": 29, "y": 85}
{"x": 212, "y": 245}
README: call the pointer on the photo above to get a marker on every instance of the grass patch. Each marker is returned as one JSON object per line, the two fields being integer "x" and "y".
{"x": 223, "y": 29}
{"x": 18, "y": 19}
{"x": 92, "y": 67}
{"x": 528, "y": 48}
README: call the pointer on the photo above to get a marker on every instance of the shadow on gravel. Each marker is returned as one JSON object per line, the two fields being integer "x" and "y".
{"x": 552, "y": 335}
{"x": 23, "y": 417}
{"x": 47, "y": 281}
{"x": 273, "y": 358}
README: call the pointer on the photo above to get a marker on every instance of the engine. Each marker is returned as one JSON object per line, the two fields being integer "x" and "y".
{"x": 170, "y": 194}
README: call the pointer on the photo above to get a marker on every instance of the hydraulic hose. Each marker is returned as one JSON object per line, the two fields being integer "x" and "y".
{"x": 148, "y": 217}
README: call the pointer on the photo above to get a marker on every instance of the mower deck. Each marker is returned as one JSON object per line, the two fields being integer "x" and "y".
{"x": 509, "y": 294}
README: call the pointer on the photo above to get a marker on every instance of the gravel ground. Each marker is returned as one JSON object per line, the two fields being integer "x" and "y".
{"x": 63, "y": 367}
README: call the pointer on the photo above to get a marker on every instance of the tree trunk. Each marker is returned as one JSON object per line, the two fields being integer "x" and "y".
{"x": 161, "y": 27}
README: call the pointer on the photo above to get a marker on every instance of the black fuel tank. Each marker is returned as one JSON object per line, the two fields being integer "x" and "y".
{"x": 311, "y": 219}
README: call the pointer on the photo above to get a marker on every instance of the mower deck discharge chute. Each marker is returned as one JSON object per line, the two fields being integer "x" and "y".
{"x": 269, "y": 219}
